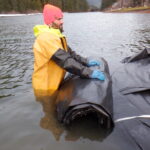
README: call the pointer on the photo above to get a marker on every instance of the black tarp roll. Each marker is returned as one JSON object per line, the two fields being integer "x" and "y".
{"x": 79, "y": 98}
{"x": 129, "y": 86}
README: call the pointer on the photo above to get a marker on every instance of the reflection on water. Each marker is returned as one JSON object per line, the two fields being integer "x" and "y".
{"x": 77, "y": 130}
{"x": 86, "y": 128}
{"x": 49, "y": 121}
{"x": 23, "y": 119}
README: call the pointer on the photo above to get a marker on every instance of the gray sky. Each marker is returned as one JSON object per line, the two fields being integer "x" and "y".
{"x": 96, "y": 3}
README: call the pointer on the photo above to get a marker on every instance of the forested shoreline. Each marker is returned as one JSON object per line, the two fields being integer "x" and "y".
{"x": 26, "y": 6}
{"x": 33, "y": 6}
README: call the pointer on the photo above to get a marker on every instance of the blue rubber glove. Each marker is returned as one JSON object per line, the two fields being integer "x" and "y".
{"x": 93, "y": 63}
{"x": 98, "y": 75}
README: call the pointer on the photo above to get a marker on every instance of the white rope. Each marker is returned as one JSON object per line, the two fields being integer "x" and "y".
{"x": 133, "y": 117}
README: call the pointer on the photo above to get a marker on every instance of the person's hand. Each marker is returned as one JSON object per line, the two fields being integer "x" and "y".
{"x": 93, "y": 63}
{"x": 96, "y": 74}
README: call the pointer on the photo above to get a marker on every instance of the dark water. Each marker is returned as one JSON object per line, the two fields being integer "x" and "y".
{"x": 27, "y": 124}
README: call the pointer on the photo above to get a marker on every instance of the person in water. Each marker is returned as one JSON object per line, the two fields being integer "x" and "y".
{"x": 53, "y": 57}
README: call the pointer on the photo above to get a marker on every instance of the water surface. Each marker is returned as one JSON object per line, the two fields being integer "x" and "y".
{"x": 29, "y": 123}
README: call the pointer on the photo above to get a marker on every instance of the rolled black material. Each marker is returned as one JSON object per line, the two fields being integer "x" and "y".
{"x": 78, "y": 98}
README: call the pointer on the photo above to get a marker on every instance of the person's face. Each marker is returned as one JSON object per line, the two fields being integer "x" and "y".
{"x": 58, "y": 24}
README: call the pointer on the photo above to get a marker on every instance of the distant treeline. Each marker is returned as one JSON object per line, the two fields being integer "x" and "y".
{"x": 24, "y": 6}
{"x": 107, "y": 3}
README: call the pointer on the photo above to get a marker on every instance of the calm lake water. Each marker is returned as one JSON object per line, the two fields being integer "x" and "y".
{"x": 28, "y": 124}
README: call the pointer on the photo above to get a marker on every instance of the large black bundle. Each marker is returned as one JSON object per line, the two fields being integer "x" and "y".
{"x": 79, "y": 98}
{"x": 131, "y": 94}
{"x": 131, "y": 102}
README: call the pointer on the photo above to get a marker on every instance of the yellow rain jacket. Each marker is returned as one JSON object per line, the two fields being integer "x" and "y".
{"x": 47, "y": 74}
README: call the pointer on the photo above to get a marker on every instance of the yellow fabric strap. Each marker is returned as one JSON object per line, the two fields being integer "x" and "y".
{"x": 64, "y": 43}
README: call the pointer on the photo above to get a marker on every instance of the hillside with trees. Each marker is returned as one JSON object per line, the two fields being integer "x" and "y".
{"x": 119, "y": 4}
{"x": 29, "y": 6}
{"x": 26, "y": 6}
